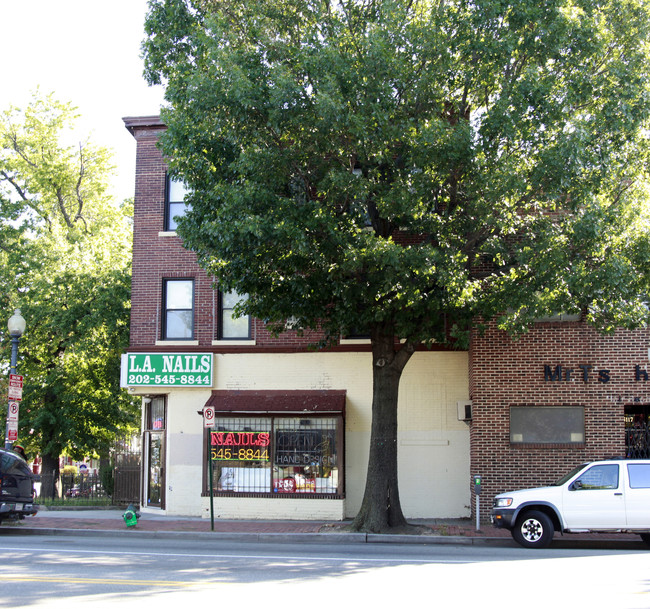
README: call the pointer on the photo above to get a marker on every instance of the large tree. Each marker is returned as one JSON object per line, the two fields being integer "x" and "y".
{"x": 410, "y": 169}
{"x": 65, "y": 261}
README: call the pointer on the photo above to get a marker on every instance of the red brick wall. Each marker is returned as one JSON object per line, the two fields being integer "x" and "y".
{"x": 505, "y": 372}
{"x": 157, "y": 257}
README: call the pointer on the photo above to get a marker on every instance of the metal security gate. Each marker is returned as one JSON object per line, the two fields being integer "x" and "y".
{"x": 637, "y": 431}
{"x": 127, "y": 472}
{"x": 637, "y": 442}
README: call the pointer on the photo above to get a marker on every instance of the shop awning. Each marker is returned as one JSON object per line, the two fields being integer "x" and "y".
{"x": 278, "y": 402}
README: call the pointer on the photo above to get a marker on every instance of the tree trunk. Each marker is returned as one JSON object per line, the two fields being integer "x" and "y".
{"x": 49, "y": 476}
{"x": 381, "y": 510}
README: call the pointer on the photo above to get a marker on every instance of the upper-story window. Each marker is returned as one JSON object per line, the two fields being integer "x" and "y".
{"x": 175, "y": 205}
{"x": 178, "y": 307}
{"x": 230, "y": 327}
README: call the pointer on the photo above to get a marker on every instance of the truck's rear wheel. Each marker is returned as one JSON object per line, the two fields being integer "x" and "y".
{"x": 533, "y": 529}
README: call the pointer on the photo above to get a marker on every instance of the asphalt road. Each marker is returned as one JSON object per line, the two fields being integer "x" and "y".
{"x": 54, "y": 571}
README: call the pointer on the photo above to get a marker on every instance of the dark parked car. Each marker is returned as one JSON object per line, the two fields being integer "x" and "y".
{"x": 16, "y": 487}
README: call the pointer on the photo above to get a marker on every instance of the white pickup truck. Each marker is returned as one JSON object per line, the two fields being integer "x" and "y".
{"x": 603, "y": 496}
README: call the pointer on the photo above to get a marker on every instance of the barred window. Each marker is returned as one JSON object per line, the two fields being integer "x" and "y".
{"x": 278, "y": 455}
{"x": 241, "y": 455}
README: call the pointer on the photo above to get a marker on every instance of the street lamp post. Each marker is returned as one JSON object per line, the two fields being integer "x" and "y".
{"x": 16, "y": 325}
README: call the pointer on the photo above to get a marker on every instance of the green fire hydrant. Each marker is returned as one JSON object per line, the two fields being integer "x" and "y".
{"x": 131, "y": 516}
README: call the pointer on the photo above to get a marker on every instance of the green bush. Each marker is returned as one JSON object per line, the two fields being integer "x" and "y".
{"x": 107, "y": 478}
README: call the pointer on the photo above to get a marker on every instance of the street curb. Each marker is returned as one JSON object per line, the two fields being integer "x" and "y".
{"x": 315, "y": 538}
{"x": 559, "y": 542}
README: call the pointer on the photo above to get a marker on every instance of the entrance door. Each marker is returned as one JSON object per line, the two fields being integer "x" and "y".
{"x": 154, "y": 454}
{"x": 154, "y": 482}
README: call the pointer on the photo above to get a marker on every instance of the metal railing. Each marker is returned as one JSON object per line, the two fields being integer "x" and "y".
{"x": 90, "y": 489}
{"x": 72, "y": 488}
{"x": 126, "y": 484}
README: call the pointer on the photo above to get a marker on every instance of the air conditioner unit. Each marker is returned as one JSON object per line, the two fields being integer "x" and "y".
{"x": 464, "y": 410}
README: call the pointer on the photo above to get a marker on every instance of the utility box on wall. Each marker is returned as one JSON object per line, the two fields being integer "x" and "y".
{"x": 464, "y": 410}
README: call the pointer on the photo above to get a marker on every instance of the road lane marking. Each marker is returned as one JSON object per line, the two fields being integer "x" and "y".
{"x": 94, "y": 580}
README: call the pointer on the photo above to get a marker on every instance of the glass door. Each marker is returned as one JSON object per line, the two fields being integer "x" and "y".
{"x": 154, "y": 452}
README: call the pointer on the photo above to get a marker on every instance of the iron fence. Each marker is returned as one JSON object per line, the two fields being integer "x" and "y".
{"x": 126, "y": 484}
{"x": 72, "y": 487}
{"x": 127, "y": 471}
{"x": 118, "y": 483}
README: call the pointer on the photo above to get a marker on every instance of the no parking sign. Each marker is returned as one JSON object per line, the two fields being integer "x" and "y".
{"x": 12, "y": 413}
{"x": 208, "y": 416}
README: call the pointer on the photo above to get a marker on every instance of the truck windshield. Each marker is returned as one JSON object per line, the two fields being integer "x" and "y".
{"x": 570, "y": 475}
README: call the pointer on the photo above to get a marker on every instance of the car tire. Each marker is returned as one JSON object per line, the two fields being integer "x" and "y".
{"x": 645, "y": 537}
{"x": 533, "y": 529}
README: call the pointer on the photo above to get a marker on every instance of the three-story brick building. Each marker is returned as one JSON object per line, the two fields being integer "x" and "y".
{"x": 292, "y": 425}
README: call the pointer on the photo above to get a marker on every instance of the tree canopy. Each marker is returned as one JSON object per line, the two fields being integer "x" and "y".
{"x": 65, "y": 261}
{"x": 411, "y": 169}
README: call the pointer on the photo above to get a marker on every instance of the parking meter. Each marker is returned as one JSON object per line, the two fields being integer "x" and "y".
{"x": 477, "y": 490}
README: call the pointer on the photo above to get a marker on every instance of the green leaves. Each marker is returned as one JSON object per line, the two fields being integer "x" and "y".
{"x": 59, "y": 187}
{"x": 65, "y": 261}
{"x": 359, "y": 163}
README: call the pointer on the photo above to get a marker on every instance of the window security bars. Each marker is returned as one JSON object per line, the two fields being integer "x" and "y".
{"x": 282, "y": 456}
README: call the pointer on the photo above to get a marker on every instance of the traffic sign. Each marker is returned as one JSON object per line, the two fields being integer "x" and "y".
{"x": 12, "y": 431}
{"x": 208, "y": 416}
{"x": 12, "y": 413}
{"x": 15, "y": 387}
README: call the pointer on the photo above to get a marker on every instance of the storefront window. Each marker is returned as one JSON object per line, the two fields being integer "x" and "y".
{"x": 277, "y": 455}
{"x": 241, "y": 455}
{"x": 547, "y": 425}
{"x": 305, "y": 456}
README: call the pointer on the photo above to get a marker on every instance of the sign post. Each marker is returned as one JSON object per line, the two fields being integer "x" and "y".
{"x": 209, "y": 423}
{"x": 14, "y": 395}
{"x": 16, "y": 326}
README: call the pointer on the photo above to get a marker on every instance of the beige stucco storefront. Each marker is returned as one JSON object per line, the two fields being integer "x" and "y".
{"x": 433, "y": 444}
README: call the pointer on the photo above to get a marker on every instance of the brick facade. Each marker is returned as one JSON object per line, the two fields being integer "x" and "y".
{"x": 160, "y": 255}
{"x": 585, "y": 368}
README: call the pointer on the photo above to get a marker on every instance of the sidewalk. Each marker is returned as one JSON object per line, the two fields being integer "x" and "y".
{"x": 112, "y": 520}
{"x": 434, "y": 531}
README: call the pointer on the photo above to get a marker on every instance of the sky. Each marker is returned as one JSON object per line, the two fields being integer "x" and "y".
{"x": 86, "y": 52}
